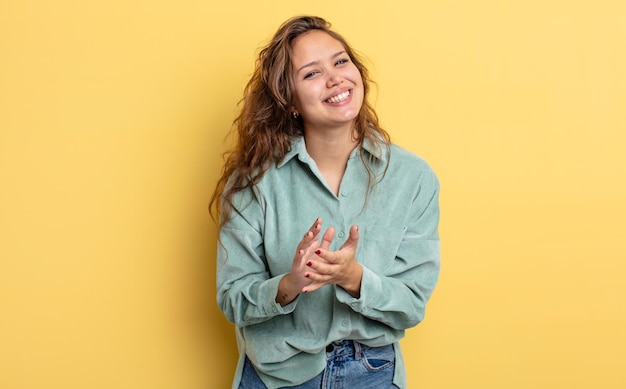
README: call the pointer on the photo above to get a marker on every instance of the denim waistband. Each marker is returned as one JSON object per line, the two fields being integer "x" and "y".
{"x": 344, "y": 347}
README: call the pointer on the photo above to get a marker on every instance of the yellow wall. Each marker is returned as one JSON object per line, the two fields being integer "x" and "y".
{"x": 112, "y": 116}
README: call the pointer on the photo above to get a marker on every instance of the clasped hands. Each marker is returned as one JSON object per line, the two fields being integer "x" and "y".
{"x": 314, "y": 265}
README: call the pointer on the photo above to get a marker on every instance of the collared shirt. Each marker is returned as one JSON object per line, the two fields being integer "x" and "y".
{"x": 398, "y": 249}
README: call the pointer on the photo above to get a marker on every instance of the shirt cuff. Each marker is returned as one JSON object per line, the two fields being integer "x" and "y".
{"x": 371, "y": 286}
{"x": 268, "y": 291}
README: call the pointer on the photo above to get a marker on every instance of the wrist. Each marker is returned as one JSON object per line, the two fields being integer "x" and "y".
{"x": 353, "y": 282}
{"x": 287, "y": 290}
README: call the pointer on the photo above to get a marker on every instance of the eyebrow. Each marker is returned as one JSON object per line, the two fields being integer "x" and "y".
{"x": 337, "y": 54}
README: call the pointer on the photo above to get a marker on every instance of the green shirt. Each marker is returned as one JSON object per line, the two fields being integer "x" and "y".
{"x": 398, "y": 248}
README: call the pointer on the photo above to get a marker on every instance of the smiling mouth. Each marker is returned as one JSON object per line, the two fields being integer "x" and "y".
{"x": 339, "y": 98}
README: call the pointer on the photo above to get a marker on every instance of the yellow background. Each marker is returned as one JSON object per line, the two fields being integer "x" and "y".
{"x": 112, "y": 119}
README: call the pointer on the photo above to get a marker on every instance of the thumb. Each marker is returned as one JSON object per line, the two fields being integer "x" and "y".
{"x": 353, "y": 238}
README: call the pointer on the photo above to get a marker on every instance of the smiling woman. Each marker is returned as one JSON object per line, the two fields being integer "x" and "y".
{"x": 314, "y": 308}
{"x": 328, "y": 90}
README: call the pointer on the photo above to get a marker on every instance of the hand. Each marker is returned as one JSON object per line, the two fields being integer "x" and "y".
{"x": 293, "y": 283}
{"x": 335, "y": 267}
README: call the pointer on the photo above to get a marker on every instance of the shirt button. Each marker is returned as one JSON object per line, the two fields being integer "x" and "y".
{"x": 274, "y": 309}
{"x": 344, "y": 323}
{"x": 344, "y": 194}
{"x": 341, "y": 234}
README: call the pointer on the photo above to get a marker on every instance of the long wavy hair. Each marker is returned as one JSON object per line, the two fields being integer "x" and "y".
{"x": 265, "y": 127}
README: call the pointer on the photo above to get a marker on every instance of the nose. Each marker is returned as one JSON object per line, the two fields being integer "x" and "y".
{"x": 333, "y": 79}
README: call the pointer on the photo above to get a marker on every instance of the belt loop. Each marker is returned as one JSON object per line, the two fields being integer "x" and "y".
{"x": 357, "y": 350}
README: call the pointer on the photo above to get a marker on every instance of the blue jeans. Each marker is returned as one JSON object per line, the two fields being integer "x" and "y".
{"x": 349, "y": 365}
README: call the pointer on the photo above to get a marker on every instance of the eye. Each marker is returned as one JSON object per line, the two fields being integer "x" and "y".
{"x": 342, "y": 61}
{"x": 310, "y": 74}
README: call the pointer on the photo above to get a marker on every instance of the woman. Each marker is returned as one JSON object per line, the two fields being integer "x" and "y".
{"x": 320, "y": 309}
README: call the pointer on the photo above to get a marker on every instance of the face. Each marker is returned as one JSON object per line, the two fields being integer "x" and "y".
{"x": 328, "y": 86}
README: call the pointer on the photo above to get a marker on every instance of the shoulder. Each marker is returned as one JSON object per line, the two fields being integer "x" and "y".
{"x": 413, "y": 165}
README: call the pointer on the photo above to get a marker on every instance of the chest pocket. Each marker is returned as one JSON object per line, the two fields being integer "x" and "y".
{"x": 378, "y": 247}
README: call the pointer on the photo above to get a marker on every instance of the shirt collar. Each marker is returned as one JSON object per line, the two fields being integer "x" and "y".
{"x": 298, "y": 149}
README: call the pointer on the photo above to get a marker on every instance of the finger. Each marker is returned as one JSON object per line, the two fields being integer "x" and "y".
{"x": 311, "y": 234}
{"x": 319, "y": 276}
{"x": 321, "y": 271}
{"x": 328, "y": 237}
{"x": 314, "y": 265}
{"x": 312, "y": 287}
{"x": 353, "y": 238}
{"x": 307, "y": 250}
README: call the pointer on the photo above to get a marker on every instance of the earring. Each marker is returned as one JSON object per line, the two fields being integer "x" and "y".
{"x": 295, "y": 114}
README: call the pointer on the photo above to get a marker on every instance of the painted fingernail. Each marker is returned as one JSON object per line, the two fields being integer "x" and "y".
{"x": 318, "y": 252}
{"x": 307, "y": 275}
{"x": 309, "y": 263}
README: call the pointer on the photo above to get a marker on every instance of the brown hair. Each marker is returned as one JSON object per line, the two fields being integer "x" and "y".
{"x": 265, "y": 127}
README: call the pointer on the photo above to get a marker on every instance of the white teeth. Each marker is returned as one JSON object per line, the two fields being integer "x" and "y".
{"x": 340, "y": 97}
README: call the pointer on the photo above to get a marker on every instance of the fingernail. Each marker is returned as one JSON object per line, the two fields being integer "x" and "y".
{"x": 309, "y": 263}
{"x": 318, "y": 252}
{"x": 307, "y": 275}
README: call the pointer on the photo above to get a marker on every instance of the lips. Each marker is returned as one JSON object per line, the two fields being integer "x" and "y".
{"x": 339, "y": 98}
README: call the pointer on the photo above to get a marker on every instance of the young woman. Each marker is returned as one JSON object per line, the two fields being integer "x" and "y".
{"x": 328, "y": 242}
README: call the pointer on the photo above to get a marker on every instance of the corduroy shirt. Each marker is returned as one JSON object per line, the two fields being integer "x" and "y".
{"x": 398, "y": 249}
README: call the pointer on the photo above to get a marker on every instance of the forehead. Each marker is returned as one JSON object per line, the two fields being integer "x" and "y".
{"x": 315, "y": 45}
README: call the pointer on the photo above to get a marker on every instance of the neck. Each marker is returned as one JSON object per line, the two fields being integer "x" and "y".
{"x": 330, "y": 148}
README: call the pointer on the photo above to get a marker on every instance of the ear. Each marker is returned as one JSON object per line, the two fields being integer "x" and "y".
{"x": 294, "y": 112}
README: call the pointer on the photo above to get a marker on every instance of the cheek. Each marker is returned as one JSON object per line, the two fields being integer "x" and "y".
{"x": 299, "y": 97}
{"x": 307, "y": 95}
{"x": 357, "y": 79}
{"x": 355, "y": 73}
{"x": 358, "y": 82}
